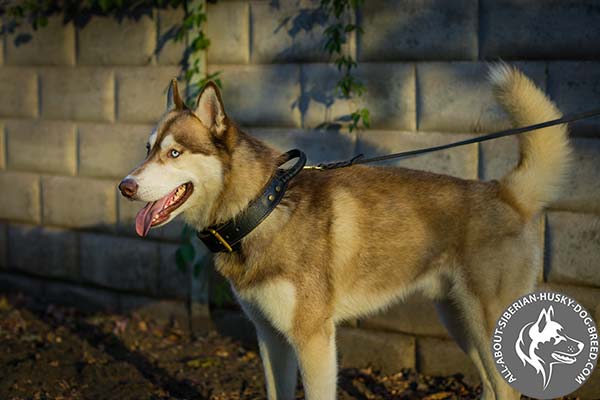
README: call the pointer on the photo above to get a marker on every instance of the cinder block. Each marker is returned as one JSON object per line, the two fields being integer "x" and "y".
{"x": 498, "y": 157}
{"x": 461, "y": 161}
{"x": 319, "y": 146}
{"x": 142, "y": 93}
{"x": 458, "y": 97}
{"x": 111, "y": 150}
{"x": 128, "y": 210}
{"x": 53, "y": 44}
{"x": 84, "y": 298}
{"x": 574, "y": 249}
{"x": 20, "y": 199}
{"x": 2, "y": 146}
{"x": 84, "y": 94}
{"x": 388, "y": 352}
{"x": 443, "y": 357}
{"x": 228, "y": 29}
{"x": 106, "y": 41}
{"x": 575, "y": 87}
{"x": 43, "y": 251}
{"x": 3, "y": 245}
{"x": 79, "y": 202}
{"x": 19, "y": 94}
{"x": 290, "y": 32}
{"x": 389, "y": 95}
{"x": 131, "y": 264}
{"x": 416, "y": 315}
{"x": 12, "y": 283}
{"x": 514, "y": 29}
{"x": 581, "y": 190}
{"x": 261, "y": 95}
{"x": 588, "y": 297}
{"x": 418, "y": 30}
{"x": 42, "y": 146}
{"x": 168, "y": 51}
{"x": 171, "y": 281}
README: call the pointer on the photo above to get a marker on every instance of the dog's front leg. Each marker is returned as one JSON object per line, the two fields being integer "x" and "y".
{"x": 278, "y": 358}
{"x": 318, "y": 365}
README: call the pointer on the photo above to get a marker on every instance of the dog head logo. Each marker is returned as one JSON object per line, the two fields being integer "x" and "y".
{"x": 544, "y": 343}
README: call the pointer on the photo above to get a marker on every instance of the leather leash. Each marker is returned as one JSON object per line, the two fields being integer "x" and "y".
{"x": 226, "y": 237}
{"x": 359, "y": 159}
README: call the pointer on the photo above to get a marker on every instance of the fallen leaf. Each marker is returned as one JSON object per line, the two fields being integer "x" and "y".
{"x": 222, "y": 353}
{"x": 143, "y": 326}
{"x": 438, "y": 396}
{"x": 194, "y": 363}
{"x": 4, "y": 305}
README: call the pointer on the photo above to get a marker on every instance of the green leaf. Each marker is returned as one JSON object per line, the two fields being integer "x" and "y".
{"x": 187, "y": 252}
{"x": 187, "y": 232}
{"x": 181, "y": 264}
{"x": 104, "y": 5}
{"x": 198, "y": 267}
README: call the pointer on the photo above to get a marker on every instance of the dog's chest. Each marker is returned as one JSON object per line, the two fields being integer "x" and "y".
{"x": 275, "y": 299}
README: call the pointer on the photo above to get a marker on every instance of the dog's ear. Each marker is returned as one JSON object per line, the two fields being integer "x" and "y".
{"x": 174, "y": 101}
{"x": 544, "y": 318}
{"x": 209, "y": 108}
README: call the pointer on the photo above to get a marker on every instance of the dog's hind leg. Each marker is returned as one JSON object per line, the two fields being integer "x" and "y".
{"x": 278, "y": 358}
{"x": 318, "y": 365}
{"x": 476, "y": 318}
{"x": 453, "y": 319}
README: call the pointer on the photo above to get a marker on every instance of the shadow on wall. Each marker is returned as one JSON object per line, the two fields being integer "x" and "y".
{"x": 80, "y": 15}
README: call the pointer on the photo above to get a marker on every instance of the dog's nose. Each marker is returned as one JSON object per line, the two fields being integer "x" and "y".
{"x": 128, "y": 187}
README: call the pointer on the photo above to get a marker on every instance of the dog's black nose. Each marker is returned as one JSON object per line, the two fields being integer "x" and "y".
{"x": 128, "y": 188}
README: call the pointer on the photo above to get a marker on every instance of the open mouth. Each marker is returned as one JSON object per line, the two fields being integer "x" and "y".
{"x": 159, "y": 211}
{"x": 563, "y": 358}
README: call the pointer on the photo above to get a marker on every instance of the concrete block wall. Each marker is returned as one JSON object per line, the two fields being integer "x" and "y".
{"x": 77, "y": 104}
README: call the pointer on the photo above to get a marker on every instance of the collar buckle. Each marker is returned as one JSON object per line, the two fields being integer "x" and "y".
{"x": 221, "y": 240}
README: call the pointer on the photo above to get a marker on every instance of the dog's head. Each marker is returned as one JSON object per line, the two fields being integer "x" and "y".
{"x": 185, "y": 161}
{"x": 544, "y": 343}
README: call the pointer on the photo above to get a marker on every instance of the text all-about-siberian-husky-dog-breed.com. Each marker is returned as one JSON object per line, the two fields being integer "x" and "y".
{"x": 343, "y": 243}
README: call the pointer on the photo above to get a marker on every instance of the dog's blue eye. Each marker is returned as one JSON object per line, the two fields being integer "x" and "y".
{"x": 174, "y": 153}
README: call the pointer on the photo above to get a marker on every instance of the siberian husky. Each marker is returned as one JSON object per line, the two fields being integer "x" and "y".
{"x": 347, "y": 242}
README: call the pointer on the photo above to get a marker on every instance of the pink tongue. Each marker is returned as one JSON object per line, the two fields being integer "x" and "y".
{"x": 143, "y": 220}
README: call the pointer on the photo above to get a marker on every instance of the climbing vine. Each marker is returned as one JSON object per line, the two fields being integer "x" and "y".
{"x": 336, "y": 35}
{"x": 192, "y": 29}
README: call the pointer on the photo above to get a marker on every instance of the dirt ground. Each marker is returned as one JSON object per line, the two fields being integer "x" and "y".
{"x": 51, "y": 352}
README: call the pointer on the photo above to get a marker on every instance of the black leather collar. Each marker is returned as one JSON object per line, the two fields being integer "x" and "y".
{"x": 226, "y": 237}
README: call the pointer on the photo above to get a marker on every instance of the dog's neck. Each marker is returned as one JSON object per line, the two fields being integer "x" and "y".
{"x": 249, "y": 165}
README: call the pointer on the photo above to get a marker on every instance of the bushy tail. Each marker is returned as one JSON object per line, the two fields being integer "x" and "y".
{"x": 545, "y": 153}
